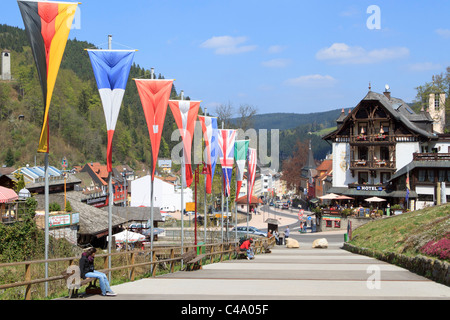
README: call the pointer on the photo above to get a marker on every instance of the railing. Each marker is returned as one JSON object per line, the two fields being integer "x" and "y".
{"x": 146, "y": 262}
{"x": 372, "y": 164}
{"x": 373, "y": 138}
{"x": 431, "y": 156}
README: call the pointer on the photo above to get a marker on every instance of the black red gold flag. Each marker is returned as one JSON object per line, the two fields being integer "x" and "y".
{"x": 47, "y": 25}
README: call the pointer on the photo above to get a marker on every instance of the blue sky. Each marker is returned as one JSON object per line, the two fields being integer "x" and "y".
{"x": 279, "y": 56}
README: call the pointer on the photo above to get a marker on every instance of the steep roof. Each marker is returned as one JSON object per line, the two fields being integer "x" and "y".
{"x": 398, "y": 109}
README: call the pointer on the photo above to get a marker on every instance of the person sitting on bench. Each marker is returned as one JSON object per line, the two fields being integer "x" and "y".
{"x": 246, "y": 246}
{"x": 87, "y": 271}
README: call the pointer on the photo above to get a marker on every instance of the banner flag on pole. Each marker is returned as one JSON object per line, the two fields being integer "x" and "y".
{"x": 154, "y": 94}
{"x": 111, "y": 70}
{"x": 240, "y": 155}
{"x": 47, "y": 25}
{"x": 185, "y": 113}
{"x": 251, "y": 171}
{"x": 210, "y": 134}
{"x": 226, "y": 140}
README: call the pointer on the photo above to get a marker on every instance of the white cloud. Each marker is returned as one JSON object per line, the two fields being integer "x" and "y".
{"x": 424, "y": 66}
{"x": 276, "y": 63}
{"x": 445, "y": 33}
{"x": 312, "y": 80}
{"x": 342, "y": 53}
{"x": 276, "y": 49}
{"x": 228, "y": 45}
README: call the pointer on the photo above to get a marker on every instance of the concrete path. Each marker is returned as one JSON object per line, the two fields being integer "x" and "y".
{"x": 288, "y": 274}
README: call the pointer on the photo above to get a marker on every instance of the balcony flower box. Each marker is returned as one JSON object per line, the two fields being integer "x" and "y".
{"x": 361, "y": 137}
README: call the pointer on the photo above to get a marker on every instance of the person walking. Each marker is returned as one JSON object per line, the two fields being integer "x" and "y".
{"x": 87, "y": 271}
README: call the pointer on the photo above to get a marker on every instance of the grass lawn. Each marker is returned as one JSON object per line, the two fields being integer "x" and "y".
{"x": 408, "y": 233}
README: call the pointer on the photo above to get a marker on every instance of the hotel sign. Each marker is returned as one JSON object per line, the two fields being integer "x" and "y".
{"x": 369, "y": 188}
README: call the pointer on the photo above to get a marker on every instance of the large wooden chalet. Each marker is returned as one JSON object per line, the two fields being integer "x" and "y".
{"x": 377, "y": 145}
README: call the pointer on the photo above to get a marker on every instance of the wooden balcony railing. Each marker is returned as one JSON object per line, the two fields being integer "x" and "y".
{"x": 431, "y": 156}
{"x": 372, "y": 164}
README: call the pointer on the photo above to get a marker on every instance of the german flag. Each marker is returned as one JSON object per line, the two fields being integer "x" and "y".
{"x": 47, "y": 25}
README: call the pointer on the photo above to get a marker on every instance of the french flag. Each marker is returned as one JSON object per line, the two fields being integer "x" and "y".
{"x": 111, "y": 70}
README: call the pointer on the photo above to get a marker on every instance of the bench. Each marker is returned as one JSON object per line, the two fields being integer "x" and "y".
{"x": 267, "y": 247}
{"x": 91, "y": 282}
{"x": 192, "y": 260}
{"x": 240, "y": 254}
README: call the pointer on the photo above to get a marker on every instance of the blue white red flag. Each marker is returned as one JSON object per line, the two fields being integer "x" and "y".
{"x": 227, "y": 138}
{"x": 111, "y": 71}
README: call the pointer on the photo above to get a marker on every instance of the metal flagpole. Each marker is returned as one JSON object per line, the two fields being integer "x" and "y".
{"x": 206, "y": 175}
{"x": 182, "y": 193}
{"x": 248, "y": 190}
{"x": 110, "y": 201}
{"x": 223, "y": 190}
{"x": 235, "y": 217}
{"x": 46, "y": 189}
{"x": 182, "y": 202}
{"x": 151, "y": 197}
{"x": 110, "y": 198}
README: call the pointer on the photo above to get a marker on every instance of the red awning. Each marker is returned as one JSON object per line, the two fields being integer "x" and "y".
{"x": 7, "y": 195}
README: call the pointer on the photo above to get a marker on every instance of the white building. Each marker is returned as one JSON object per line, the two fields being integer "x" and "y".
{"x": 165, "y": 195}
{"x": 379, "y": 142}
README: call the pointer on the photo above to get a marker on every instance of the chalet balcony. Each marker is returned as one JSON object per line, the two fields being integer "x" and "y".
{"x": 373, "y": 139}
{"x": 372, "y": 164}
{"x": 431, "y": 156}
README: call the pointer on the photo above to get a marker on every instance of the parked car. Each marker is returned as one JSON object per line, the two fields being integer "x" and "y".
{"x": 156, "y": 232}
{"x": 285, "y": 206}
{"x": 251, "y": 230}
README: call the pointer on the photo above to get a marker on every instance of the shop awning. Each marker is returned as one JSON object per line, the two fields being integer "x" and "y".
{"x": 7, "y": 195}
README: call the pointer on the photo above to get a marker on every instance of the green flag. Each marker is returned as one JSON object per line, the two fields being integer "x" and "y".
{"x": 240, "y": 155}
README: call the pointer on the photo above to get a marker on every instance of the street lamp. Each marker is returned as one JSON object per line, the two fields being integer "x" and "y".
{"x": 124, "y": 174}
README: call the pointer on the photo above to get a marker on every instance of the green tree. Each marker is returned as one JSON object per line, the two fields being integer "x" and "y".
{"x": 9, "y": 159}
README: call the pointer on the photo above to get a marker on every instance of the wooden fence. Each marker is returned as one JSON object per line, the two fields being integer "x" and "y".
{"x": 146, "y": 262}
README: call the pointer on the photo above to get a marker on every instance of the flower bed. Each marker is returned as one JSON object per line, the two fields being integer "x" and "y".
{"x": 439, "y": 249}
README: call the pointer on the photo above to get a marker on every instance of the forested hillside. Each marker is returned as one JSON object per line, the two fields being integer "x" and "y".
{"x": 77, "y": 124}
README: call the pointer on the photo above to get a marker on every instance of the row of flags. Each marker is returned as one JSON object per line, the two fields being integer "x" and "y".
{"x": 47, "y": 25}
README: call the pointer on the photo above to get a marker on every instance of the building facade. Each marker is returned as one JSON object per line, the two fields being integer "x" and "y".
{"x": 376, "y": 140}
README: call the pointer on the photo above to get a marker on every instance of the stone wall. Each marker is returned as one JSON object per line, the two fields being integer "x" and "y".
{"x": 430, "y": 268}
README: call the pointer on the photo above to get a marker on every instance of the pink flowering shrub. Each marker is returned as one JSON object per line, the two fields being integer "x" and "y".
{"x": 439, "y": 249}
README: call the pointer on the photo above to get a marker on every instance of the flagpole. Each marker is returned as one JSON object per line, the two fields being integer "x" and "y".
{"x": 235, "y": 210}
{"x": 183, "y": 178}
{"x": 110, "y": 201}
{"x": 206, "y": 175}
{"x": 248, "y": 187}
{"x": 110, "y": 198}
{"x": 182, "y": 203}
{"x": 151, "y": 197}
{"x": 46, "y": 189}
{"x": 221, "y": 204}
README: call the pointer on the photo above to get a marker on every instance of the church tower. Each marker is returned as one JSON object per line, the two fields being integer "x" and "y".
{"x": 6, "y": 65}
{"x": 436, "y": 107}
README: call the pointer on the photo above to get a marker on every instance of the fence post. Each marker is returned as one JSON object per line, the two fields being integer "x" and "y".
{"x": 132, "y": 266}
{"x": 28, "y": 278}
{"x": 172, "y": 262}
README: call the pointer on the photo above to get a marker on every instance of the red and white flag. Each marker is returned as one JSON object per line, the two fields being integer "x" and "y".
{"x": 210, "y": 134}
{"x": 185, "y": 113}
{"x": 251, "y": 171}
{"x": 154, "y": 94}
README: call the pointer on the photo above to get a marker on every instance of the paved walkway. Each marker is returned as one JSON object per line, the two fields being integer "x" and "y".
{"x": 288, "y": 274}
